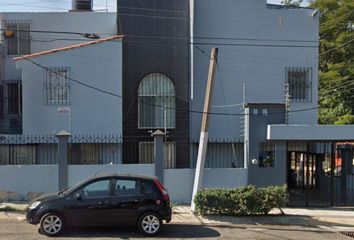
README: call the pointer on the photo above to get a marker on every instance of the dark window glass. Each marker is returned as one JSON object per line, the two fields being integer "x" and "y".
{"x": 14, "y": 98}
{"x": 96, "y": 189}
{"x": 149, "y": 187}
{"x": 126, "y": 187}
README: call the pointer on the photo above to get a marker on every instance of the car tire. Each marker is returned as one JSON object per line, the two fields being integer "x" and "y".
{"x": 51, "y": 224}
{"x": 150, "y": 224}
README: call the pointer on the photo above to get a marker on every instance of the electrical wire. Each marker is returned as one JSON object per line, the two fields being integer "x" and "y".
{"x": 191, "y": 111}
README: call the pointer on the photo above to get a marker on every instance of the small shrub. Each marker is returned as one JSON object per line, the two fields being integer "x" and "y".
{"x": 248, "y": 200}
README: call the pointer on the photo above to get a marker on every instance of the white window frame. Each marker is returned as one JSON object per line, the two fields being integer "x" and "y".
{"x": 169, "y": 121}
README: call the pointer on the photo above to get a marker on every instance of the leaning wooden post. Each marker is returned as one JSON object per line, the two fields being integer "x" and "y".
{"x": 203, "y": 140}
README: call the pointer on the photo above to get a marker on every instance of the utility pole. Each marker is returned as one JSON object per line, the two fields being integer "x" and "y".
{"x": 203, "y": 140}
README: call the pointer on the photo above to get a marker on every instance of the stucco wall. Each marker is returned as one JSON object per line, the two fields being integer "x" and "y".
{"x": 179, "y": 182}
{"x": 262, "y": 67}
{"x": 17, "y": 181}
{"x": 101, "y": 23}
{"x": 92, "y": 112}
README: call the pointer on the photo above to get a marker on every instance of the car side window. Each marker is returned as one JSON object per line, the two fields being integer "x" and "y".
{"x": 126, "y": 187}
{"x": 96, "y": 189}
{"x": 149, "y": 188}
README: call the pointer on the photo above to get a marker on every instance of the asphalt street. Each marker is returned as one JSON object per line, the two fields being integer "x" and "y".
{"x": 11, "y": 229}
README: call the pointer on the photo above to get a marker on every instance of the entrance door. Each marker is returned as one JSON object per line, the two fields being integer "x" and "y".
{"x": 304, "y": 178}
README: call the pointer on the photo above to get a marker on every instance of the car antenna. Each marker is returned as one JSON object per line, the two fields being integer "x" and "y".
{"x": 110, "y": 164}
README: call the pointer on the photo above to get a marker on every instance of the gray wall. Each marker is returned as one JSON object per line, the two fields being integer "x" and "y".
{"x": 179, "y": 182}
{"x": 92, "y": 112}
{"x": 262, "y": 68}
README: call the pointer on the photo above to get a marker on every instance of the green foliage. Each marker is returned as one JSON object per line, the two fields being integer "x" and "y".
{"x": 248, "y": 200}
{"x": 336, "y": 60}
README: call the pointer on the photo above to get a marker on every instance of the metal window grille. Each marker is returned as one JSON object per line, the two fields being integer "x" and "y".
{"x": 146, "y": 153}
{"x": 95, "y": 153}
{"x": 221, "y": 154}
{"x": 20, "y": 43}
{"x": 156, "y": 102}
{"x": 56, "y": 86}
{"x": 267, "y": 154}
{"x": 300, "y": 84}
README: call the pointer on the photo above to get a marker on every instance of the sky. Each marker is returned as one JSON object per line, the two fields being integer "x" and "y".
{"x": 62, "y": 5}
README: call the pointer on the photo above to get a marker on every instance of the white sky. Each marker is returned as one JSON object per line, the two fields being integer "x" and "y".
{"x": 60, "y": 5}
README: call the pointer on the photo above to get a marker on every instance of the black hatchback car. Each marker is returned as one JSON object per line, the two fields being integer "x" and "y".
{"x": 105, "y": 200}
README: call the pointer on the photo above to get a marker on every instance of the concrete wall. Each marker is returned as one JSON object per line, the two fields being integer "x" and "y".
{"x": 92, "y": 112}
{"x": 17, "y": 181}
{"x": 83, "y": 22}
{"x": 77, "y": 173}
{"x": 179, "y": 182}
{"x": 261, "y": 67}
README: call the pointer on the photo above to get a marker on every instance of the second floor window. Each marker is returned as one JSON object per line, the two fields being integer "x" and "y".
{"x": 299, "y": 80}
{"x": 56, "y": 86}
{"x": 156, "y": 102}
{"x": 19, "y": 39}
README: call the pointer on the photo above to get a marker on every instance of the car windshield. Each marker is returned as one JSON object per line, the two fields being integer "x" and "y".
{"x": 68, "y": 190}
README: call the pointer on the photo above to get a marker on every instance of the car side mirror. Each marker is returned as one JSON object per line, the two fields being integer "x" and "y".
{"x": 78, "y": 196}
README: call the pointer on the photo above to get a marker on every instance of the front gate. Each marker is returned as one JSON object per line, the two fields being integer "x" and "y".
{"x": 320, "y": 174}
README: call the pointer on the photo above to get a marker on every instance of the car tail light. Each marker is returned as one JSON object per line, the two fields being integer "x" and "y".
{"x": 162, "y": 190}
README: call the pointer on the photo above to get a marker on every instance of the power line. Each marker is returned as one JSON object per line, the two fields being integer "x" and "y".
{"x": 191, "y": 111}
{"x": 338, "y": 47}
{"x": 74, "y": 80}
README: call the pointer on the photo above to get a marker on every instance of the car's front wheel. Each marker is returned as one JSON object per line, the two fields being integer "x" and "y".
{"x": 150, "y": 224}
{"x": 51, "y": 224}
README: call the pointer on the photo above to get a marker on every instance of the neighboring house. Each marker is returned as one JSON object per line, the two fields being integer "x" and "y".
{"x": 60, "y": 89}
{"x": 26, "y": 33}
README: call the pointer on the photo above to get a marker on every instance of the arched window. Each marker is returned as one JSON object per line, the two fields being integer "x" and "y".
{"x": 156, "y": 102}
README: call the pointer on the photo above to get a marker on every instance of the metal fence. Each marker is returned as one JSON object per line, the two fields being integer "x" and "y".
{"x": 104, "y": 149}
{"x": 320, "y": 174}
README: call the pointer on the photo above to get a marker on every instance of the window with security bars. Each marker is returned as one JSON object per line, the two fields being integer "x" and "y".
{"x": 56, "y": 86}
{"x": 267, "y": 154}
{"x": 19, "y": 42}
{"x": 300, "y": 82}
{"x": 156, "y": 102}
{"x": 146, "y": 154}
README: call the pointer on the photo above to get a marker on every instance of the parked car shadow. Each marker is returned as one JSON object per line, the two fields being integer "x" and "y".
{"x": 168, "y": 231}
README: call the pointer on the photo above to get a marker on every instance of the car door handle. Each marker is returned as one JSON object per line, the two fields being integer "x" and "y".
{"x": 102, "y": 202}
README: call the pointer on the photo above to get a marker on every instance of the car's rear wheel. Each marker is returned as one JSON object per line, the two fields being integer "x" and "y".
{"x": 150, "y": 224}
{"x": 51, "y": 224}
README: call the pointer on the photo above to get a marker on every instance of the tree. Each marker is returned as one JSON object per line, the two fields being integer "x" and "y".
{"x": 295, "y": 3}
{"x": 336, "y": 61}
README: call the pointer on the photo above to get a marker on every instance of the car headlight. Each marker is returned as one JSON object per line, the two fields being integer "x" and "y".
{"x": 34, "y": 205}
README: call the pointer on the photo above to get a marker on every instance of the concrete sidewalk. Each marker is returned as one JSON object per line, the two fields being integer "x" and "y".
{"x": 334, "y": 219}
